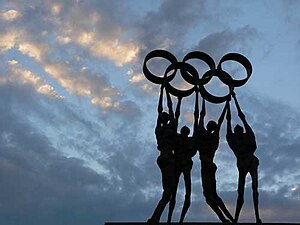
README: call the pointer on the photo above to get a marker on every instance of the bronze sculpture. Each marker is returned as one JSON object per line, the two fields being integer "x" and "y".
{"x": 243, "y": 146}
{"x": 208, "y": 145}
{"x": 177, "y": 149}
{"x": 165, "y": 131}
{"x": 184, "y": 150}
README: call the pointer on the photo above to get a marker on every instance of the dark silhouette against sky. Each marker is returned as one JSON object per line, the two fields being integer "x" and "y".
{"x": 177, "y": 149}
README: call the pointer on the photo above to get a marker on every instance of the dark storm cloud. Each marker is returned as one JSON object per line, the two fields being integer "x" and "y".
{"x": 219, "y": 43}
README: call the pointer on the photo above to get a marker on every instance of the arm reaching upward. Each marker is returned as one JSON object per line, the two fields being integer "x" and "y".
{"x": 177, "y": 112}
{"x": 221, "y": 118}
{"x": 228, "y": 117}
{"x": 160, "y": 106}
{"x": 196, "y": 113}
{"x": 241, "y": 114}
{"x": 160, "y": 102}
{"x": 249, "y": 132}
{"x": 170, "y": 105}
{"x": 202, "y": 115}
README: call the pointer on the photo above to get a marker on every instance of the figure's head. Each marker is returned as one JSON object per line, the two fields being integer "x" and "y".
{"x": 211, "y": 126}
{"x": 185, "y": 131}
{"x": 238, "y": 129}
{"x": 164, "y": 117}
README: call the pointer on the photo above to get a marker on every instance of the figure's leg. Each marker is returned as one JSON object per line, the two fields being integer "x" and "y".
{"x": 219, "y": 201}
{"x": 254, "y": 176}
{"x": 160, "y": 208}
{"x": 173, "y": 198}
{"x": 210, "y": 200}
{"x": 209, "y": 194}
{"x": 187, "y": 198}
{"x": 241, "y": 190}
{"x": 168, "y": 180}
{"x": 223, "y": 208}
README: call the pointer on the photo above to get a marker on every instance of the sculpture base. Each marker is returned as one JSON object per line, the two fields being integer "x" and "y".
{"x": 195, "y": 223}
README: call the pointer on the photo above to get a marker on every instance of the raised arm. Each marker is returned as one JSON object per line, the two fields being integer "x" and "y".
{"x": 160, "y": 105}
{"x": 160, "y": 102}
{"x": 177, "y": 112}
{"x": 228, "y": 117}
{"x": 170, "y": 105}
{"x": 241, "y": 114}
{"x": 196, "y": 113}
{"x": 202, "y": 115}
{"x": 221, "y": 118}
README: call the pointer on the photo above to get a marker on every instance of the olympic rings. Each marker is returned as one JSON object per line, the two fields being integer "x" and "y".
{"x": 191, "y": 75}
{"x": 206, "y": 76}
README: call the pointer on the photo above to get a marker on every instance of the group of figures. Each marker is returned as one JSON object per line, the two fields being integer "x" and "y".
{"x": 178, "y": 148}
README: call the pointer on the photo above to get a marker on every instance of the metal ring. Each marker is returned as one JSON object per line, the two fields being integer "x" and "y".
{"x": 204, "y": 57}
{"x": 162, "y": 54}
{"x": 210, "y": 97}
{"x": 238, "y": 58}
{"x": 183, "y": 67}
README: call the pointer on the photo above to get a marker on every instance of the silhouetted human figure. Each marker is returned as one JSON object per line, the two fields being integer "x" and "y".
{"x": 184, "y": 149}
{"x": 243, "y": 146}
{"x": 165, "y": 132}
{"x": 208, "y": 145}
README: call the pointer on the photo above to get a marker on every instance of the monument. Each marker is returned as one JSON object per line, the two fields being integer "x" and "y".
{"x": 177, "y": 149}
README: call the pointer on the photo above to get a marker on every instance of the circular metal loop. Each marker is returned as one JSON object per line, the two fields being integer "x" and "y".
{"x": 190, "y": 74}
{"x": 161, "y": 54}
{"x": 210, "y": 97}
{"x": 189, "y": 69}
{"x": 201, "y": 56}
{"x": 228, "y": 80}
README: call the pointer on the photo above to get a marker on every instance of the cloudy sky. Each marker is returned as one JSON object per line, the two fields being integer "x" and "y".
{"x": 77, "y": 116}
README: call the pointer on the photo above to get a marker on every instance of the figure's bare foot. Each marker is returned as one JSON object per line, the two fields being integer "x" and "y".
{"x": 226, "y": 222}
{"x": 152, "y": 222}
{"x": 258, "y": 221}
{"x": 232, "y": 220}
